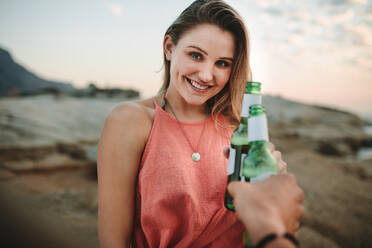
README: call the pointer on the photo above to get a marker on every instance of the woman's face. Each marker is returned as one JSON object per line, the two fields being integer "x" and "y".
{"x": 200, "y": 64}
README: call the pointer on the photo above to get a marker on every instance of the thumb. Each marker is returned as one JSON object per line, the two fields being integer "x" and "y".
{"x": 233, "y": 187}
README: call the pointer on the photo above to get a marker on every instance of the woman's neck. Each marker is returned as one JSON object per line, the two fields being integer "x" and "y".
{"x": 184, "y": 111}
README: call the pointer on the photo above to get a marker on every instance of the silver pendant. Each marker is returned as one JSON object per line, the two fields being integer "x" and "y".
{"x": 195, "y": 156}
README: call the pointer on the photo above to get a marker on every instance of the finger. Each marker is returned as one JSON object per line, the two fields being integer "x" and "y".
{"x": 232, "y": 188}
{"x": 277, "y": 155}
{"x": 297, "y": 227}
{"x": 226, "y": 151}
{"x": 282, "y": 167}
{"x": 300, "y": 196}
{"x": 301, "y": 211}
{"x": 272, "y": 147}
{"x": 235, "y": 187}
{"x": 293, "y": 228}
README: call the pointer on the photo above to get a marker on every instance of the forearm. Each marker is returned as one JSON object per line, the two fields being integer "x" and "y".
{"x": 280, "y": 243}
{"x": 269, "y": 233}
{"x": 113, "y": 241}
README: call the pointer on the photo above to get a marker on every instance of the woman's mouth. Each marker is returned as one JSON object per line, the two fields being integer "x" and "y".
{"x": 197, "y": 85}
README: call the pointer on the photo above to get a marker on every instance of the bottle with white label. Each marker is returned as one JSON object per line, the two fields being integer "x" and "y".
{"x": 239, "y": 140}
{"x": 259, "y": 163}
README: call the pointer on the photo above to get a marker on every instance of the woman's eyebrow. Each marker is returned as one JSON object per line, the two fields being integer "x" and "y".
{"x": 227, "y": 58}
{"x": 198, "y": 48}
{"x": 201, "y": 50}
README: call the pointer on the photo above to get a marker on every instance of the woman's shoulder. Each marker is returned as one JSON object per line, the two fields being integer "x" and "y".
{"x": 143, "y": 109}
{"x": 136, "y": 117}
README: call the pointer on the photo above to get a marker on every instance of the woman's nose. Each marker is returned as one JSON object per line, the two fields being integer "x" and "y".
{"x": 206, "y": 72}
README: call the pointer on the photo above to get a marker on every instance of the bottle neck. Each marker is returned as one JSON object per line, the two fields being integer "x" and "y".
{"x": 257, "y": 128}
{"x": 249, "y": 100}
{"x": 244, "y": 120}
{"x": 258, "y": 144}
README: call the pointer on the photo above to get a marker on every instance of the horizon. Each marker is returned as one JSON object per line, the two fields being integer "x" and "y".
{"x": 316, "y": 52}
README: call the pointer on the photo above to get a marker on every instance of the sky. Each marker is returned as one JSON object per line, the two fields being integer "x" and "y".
{"x": 317, "y": 52}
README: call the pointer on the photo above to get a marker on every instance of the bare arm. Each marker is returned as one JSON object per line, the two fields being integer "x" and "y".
{"x": 119, "y": 152}
{"x": 269, "y": 206}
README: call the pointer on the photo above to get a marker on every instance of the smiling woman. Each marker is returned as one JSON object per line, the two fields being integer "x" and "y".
{"x": 161, "y": 170}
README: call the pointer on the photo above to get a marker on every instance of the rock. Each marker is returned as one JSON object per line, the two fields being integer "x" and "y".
{"x": 51, "y": 162}
{"x": 74, "y": 150}
{"x": 91, "y": 152}
{"x": 283, "y": 111}
{"x": 329, "y": 131}
{"x": 45, "y": 121}
{"x": 309, "y": 239}
{"x": 19, "y": 166}
{"x": 362, "y": 169}
{"x": 333, "y": 148}
{"x": 367, "y": 141}
{"x": 6, "y": 174}
{"x": 13, "y": 153}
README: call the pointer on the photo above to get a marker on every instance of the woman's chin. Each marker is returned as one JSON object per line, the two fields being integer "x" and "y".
{"x": 196, "y": 101}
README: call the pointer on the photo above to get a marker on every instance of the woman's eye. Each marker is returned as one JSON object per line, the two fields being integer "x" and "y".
{"x": 223, "y": 63}
{"x": 196, "y": 56}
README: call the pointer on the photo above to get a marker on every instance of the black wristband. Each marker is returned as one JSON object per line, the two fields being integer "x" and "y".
{"x": 272, "y": 236}
{"x": 267, "y": 239}
{"x": 291, "y": 238}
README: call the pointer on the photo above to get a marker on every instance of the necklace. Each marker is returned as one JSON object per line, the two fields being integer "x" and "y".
{"x": 195, "y": 155}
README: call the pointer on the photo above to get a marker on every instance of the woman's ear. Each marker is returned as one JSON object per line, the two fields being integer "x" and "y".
{"x": 168, "y": 47}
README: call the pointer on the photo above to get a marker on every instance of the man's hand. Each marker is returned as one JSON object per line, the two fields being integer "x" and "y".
{"x": 269, "y": 206}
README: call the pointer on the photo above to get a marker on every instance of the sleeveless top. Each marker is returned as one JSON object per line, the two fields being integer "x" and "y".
{"x": 179, "y": 202}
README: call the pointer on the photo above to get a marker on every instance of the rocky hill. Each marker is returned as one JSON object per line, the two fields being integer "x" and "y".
{"x": 15, "y": 79}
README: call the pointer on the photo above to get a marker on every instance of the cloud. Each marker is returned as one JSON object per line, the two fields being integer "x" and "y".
{"x": 339, "y": 18}
{"x": 266, "y": 19}
{"x": 300, "y": 15}
{"x": 269, "y": 3}
{"x": 369, "y": 17}
{"x": 346, "y": 16}
{"x": 344, "y": 2}
{"x": 367, "y": 13}
{"x": 296, "y": 39}
{"x": 274, "y": 11}
{"x": 358, "y": 1}
{"x": 115, "y": 9}
{"x": 361, "y": 34}
{"x": 365, "y": 62}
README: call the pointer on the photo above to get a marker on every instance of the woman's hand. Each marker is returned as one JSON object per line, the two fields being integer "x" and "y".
{"x": 277, "y": 155}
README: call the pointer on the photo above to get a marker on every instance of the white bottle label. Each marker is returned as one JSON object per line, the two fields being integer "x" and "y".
{"x": 257, "y": 128}
{"x": 262, "y": 177}
{"x": 249, "y": 100}
{"x": 231, "y": 164}
{"x": 242, "y": 178}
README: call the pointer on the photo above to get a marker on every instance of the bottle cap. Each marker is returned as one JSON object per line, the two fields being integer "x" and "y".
{"x": 256, "y": 109}
{"x": 253, "y": 88}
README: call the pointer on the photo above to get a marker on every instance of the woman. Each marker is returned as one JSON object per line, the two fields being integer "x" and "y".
{"x": 161, "y": 170}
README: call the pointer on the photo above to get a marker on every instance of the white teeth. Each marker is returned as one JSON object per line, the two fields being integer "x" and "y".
{"x": 198, "y": 86}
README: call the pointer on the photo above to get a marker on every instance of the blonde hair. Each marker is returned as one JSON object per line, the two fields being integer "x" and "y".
{"x": 228, "y": 101}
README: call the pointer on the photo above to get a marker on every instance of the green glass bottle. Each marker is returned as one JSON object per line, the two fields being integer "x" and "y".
{"x": 239, "y": 140}
{"x": 259, "y": 163}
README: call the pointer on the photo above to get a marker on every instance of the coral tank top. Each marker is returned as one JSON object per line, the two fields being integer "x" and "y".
{"x": 179, "y": 202}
